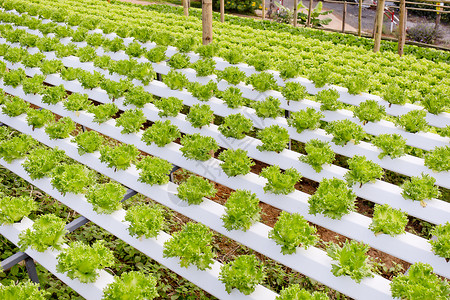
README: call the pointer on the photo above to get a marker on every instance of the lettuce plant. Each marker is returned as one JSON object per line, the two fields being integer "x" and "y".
{"x": 197, "y": 146}
{"x": 332, "y": 199}
{"x": 48, "y": 231}
{"x": 14, "y": 209}
{"x": 161, "y": 133}
{"x": 81, "y": 261}
{"x": 137, "y": 96}
{"x": 132, "y": 285}
{"x": 414, "y": 121}
{"x": 131, "y": 121}
{"x": 268, "y": 108}
{"x": 179, "y": 61}
{"x": 243, "y": 273}
{"x": 232, "y": 96}
{"x": 235, "y": 126}
{"x": 71, "y": 178}
{"x": 145, "y": 220}
{"x": 14, "y": 106}
{"x": 37, "y": 118}
{"x": 169, "y": 107}
{"x": 441, "y": 245}
{"x": 344, "y": 131}
{"x": 77, "y": 102}
{"x": 33, "y": 85}
{"x": 207, "y": 51}
{"x": 392, "y": 145}
{"x": 420, "y": 188}
{"x": 192, "y": 245}
{"x": 362, "y": 171}
{"x": 305, "y": 119}
{"x": 318, "y": 154}
{"x": 262, "y": 82}
{"x": 204, "y": 67}
{"x": 388, "y": 220}
{"x": 200, "y": 115}
{"x": 156, "y": 54}
{"x": 273, "y": 138}
{"x": 154, "y": 170}
{"x": 235, "y": 162}
{"x": 292, "y": 231}
{"x": 16, "y": 147}
{"x": 328, "y": 99}
{"x": 241, "y": 211}
{"x": 293, "y": 91}
{"x": 438, "y": 159}
{"x": 134, "y": 49}
{"x": 119, "y": 157}
{"x": 234, "y": 55}
{"x": 60, "y": 129}
{"x": 369, "y": 111}
{"x": 103, "y": 112}
{"x": 233, "y": 75}
{"x": 352, "y": 260}
{"x": 320, "y": 77}
{"x": 202, "y": 92}
{"x": 106, "y": 198}
{"x": 40, "y": 162}
{"x": 280, "y": 183}
{"x": 260, "y": 61}
{"x": 294, "y": 292}
{"x": 22, "y": 290}
{"x": 394, "y": 94}
{"x": 53, "y": 94}
{"x": 194, "y": 189}
{"x": 185, "y": 44}
{"x": 175, "y": 80}
{"x": 420, "y": 283}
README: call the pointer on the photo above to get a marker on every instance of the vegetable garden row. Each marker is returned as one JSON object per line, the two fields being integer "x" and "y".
{"x": 60, "y": 57}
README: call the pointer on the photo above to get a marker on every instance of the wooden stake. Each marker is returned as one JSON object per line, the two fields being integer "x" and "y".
{"x": 295, "y": 13}
{"x": 308, "y": 22}
{"x": 207, "y": 21}
{"x": 402, "y": 27}
{"x": 186, "y": 7}
{"x": 344, "y": 13}
{"x": 379, "y": 26}
{"x": 222, "y": 11}
{"x": 263, "y": 7}
{"x": 359, "y": 17}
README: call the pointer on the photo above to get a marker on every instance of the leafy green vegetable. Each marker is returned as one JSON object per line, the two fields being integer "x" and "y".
{"x": 22, "y": 290}
{"x": 392, "y": 145}
{"x": 185, "y": 44}
{"x": 320, "y": 77}
{"x": 119, "y": 157}
{"x": 192, "y": 245}
{"x": 37, "y": 118}
{"x": 279, "y": 183}
{"x": 394, "y": 95}
{"x": 243, "y": 273}
{"x": 88, "y": 142}
{"x": 319, "y": 153}
{"x": 157, "y": 54}
{"x": 414, "y": 121}
{"x": 134, "y": 49}
{"x": 131, "y": 120}
{"x": 294, "y": 91}
{"x": 420, "y": 188}
{"x": 234, "y": 55}
{"x": 436, "y": 102}
{"x": 71, "y": 178}
{"x": 145, "y": 220}
{"x": 241, "y": 211}
{"x": 204, "y": 67}
{"x": 154, "y": 170}
{"x": 200, "y": 115}
{"x": 14, "y": 209}
{"x": 232, "y": 96}
{"x": 388, "y": 220}
{"x": 305, "y": 119}
{"x": 207, "y": 51}
{"x": 113, "y": 45}
{"x": 362, "y": 170}
{"x": 103, "y": 112}
{"x": 273, "y": 138}
{"x": 179, "y": 61}
{"x": 77, "y": 102}
{"x": 169, "y": 107}
{"x": 441, "y": 245}
{"x": 53, "y": 94}
{"x": 235, "y": 162}
{"x": 116, "y": 89}
{"x": 196, "y": 146}
{"x": 60, "y": 129}
{"x": 89, "y": 80}
{"x": 235, "y": 126}
{"x": 294, "y": 292}
{"x": 260, "y": 61}
{"x": 344, "y": 131}
{"x": 233, "y": 75}
{"x": 262, "y": 82}
{"x": 352, "y": 260}
{"x": 292, "y": 231}
{"x": 332, "y": 199}
{"x": 86, "y": 54}
{"x": 369, "y": 111}
{"x": 40, "y": 162}
{"x": 268, "y": 108}
{"x": 420, "y": 283}
{"x": 137, "y": 96}
{"x": 132, "y": 285}
{"x": 16, "y": 147}
{"x": 15, "y": 106}
{"x": 161, "y": 133}
{"x": 33, "y": 85}
{"x": 175, "y": 80}
{"x": 328, "y": 99}
{"x": 438, "y": 160}
{"x": 202, "y": 92}
{"x": 106, "y": 198}
{"x": 82, "y": 261}
{"x": 194, "y": 189}
{"x": 48, "y": 232}
{"x": 356, "y": 84}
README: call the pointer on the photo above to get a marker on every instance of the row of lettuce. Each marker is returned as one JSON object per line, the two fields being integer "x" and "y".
{"x": 353, "y": 67}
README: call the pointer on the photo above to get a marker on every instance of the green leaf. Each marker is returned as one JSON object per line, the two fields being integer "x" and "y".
{"x": 243, "y": 273}
{"x": 16, "y": 147}
{"x": 392, "y": 145}
{"x": 420, "y": 188}
{"x": 441, "y": 245}
{"x": 268, "y": 108}
{"x": 103, "y": 112}
{"x": 145, "y": 220}
{"x": 131, "y": 120}
{"x": 305, "y": 119}
{"x": 119, "y": 157}
{"x": 362, "y": 171}
{"x": 294, "y": 292}
{"x": 344, "y": 131}
{"x": 161, "y": 133}
{"x": 60, "y": 129}
{"x": 388, "y": 220}
{"x": 132, "y": 285}
{"x": 194, "y": 189}
{"x": 369, "y": 111}
{"x": 273, "y": 138}
{"x": 196, "y": 146}
{"x": 88, "y": 142}
{"x": 40, "y": 162}
{"x": 241, "y": 211}
{"x": 37, "y": 118}
{"x": 48, "y": 231}
{"x": 106, "y": 198}
{"x": 262, "y": 82}
{"x": 235, "y": 162}
{"x": 235, "y": 126}
{"x": 154, "y": 170}
{"x": 232, "y": 75}
{"x": 279, "y": 183}
{"x": 414, "y": 121}
{"x": 14, "y": 209}
{"x": 71, "y": 178}
{"x": 22, "y": 290}
{"x": 169, "y": 107}
{"x": 319, "y": 154}
{"x": 438, "y": 159}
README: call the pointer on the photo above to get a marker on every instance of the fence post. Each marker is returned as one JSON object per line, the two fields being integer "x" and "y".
{"x": 359, "y": 17}
{"x": 295, "y": 13}
{"x": 207, "y": 21}
{"x": 308, "y": 22}
{"x": 186, "y": 7}
{"x": 378, "y": 30}
{"x": 402, "y": 27}
{"x": 263, "y": 7}
{"x": 344, "y": 13}
{"x": 222, "y": 11}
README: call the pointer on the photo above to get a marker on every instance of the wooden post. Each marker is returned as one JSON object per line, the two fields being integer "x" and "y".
{"x": 207, "y": 21}
{"x": 222, "y": 11}
{"x": 438, "y": 16}
{"x": 308, "y": 22}
{"x": 344, "y": 13}
{"x": 378, "y": 26}
{"x": 186, "y": 7}
{"x": 295, "y": 13}
{"x": 359, "y": 17}
{"x": 402, "y": 27}
{"x": 263, "y": 7}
